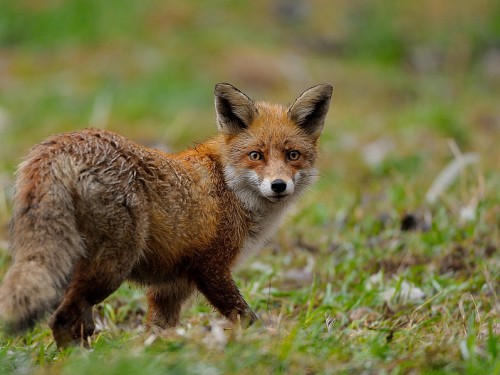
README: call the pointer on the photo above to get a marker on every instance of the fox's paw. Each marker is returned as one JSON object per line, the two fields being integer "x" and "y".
{"x": 245, "y": 318}
{"x": 76, "y": 334}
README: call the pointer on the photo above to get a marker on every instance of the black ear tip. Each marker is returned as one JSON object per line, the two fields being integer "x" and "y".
{"x": 322, "y": 90}
{"x": 327, "y": 87}
{"x": 223, "y": 87}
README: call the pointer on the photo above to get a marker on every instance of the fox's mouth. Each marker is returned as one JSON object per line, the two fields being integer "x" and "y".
{"x": 277, "y": 198}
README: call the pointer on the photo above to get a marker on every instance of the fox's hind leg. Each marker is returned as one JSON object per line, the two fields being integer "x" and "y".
{"x": 165, "y": 302}
{"x": 94, "y": 279}
{"x": 113, "y": 224}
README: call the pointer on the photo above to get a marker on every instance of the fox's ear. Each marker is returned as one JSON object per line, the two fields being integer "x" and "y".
{"x": 310, "y": 108}
{"x": 235, "y": 111}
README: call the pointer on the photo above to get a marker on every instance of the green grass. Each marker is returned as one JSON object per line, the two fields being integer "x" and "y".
{"x": 332, "y": 287}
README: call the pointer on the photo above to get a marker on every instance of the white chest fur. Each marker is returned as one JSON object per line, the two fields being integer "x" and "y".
{"x": 265, "y": 225}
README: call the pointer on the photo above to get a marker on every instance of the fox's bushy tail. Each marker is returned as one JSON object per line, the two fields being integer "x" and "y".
{"x": 44, "y": 240}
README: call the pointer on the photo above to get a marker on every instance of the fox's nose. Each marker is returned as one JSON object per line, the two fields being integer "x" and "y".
{"x": 278, "y": 186}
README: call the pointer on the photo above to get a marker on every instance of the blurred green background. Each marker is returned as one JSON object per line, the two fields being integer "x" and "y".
{"x": 416, "y": 84}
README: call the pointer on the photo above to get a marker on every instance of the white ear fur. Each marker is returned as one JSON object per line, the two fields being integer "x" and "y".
{"x": 310, "y": 108}
{"x": 235, "y": 111}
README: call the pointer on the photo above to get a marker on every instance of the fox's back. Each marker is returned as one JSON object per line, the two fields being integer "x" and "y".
{"x": 179, "y": 203}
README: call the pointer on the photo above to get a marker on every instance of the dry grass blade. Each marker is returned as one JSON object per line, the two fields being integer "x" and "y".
{"x": 448, "y": 175}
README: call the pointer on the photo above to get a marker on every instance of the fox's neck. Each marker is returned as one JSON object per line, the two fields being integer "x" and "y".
{"x": 265, "y": 216}
{"x": 265, "y": 219}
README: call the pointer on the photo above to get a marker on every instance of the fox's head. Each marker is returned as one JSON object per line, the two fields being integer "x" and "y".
{"x": 270, "y": 149}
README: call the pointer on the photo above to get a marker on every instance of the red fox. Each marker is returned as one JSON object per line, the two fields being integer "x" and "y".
{"x": 93, "y": 209}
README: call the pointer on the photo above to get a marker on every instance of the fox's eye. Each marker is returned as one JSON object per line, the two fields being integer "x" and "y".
{"x": 255, "y": 155}
{"x": 293, "y": 155}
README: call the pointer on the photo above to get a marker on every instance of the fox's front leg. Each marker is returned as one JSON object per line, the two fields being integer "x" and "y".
{"x": 218, "y": 286}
